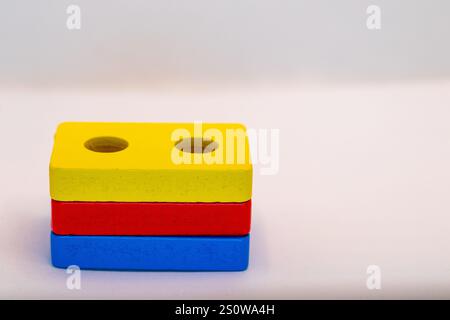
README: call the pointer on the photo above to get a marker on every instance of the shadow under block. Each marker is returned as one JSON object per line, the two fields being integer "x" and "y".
{"x": 144, "y": 171}
{"x": 150, "y": 218}
{"x": 151, "y": 253}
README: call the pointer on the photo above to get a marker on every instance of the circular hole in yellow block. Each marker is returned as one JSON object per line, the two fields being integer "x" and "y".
{"x": 106, "y": 144}
{"x": 197, "y": 145}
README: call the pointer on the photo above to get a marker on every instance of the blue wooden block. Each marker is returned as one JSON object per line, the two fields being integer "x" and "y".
{"x": 151, "y": 253}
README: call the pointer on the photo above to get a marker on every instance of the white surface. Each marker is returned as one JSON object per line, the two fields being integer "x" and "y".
{"x": 364, "y": 179}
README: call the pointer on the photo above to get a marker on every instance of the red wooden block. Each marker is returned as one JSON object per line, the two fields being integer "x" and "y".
{"x": 150, "y": 218}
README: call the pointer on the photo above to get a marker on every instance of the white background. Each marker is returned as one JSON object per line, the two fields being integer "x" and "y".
{"x": 150, "y": 43}
{"x": 364, "y": 126}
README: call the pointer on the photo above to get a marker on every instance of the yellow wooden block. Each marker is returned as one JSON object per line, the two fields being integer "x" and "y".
{"x": 151, "y": 162}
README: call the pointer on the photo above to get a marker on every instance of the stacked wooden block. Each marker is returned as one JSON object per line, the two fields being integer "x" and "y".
{"x": 151, "y": 196}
